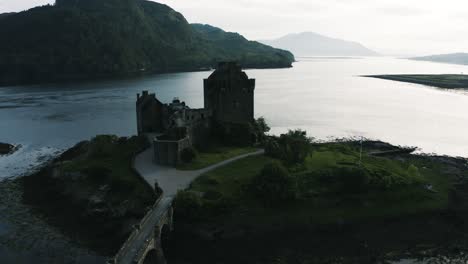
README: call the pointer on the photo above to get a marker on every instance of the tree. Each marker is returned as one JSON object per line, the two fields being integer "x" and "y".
{"x": 260, "y": 128}
{"x": 274, "y": 184}
{"x": 292, "y": 147}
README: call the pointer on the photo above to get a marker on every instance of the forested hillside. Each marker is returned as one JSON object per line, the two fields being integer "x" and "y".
{"x": 80, "y": 39}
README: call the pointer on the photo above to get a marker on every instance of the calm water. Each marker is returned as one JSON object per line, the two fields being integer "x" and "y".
{"x": 325, "y": 96}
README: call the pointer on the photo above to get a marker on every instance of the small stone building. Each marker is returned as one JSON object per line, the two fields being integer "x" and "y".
{"x": 228, "y": 112}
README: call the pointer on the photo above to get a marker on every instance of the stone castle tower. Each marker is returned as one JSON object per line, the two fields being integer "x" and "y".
{"x": 229, "y": 94}
{"x": 228, "y": 116}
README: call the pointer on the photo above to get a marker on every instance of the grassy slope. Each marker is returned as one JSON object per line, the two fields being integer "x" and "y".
{"x": 319, "y": 203}
{"x": 448, "y": 81}
{"x": 100, "y": 168}
{"x": 214, "y": 155}
{"x": 106, "y": 153}
{"x": 322, "y": 226}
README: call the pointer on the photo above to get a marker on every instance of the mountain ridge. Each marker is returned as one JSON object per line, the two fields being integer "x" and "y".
{"x": 314, "y": 44}
{"x": 459, "y": 58}
{"x": 104, "y": 38}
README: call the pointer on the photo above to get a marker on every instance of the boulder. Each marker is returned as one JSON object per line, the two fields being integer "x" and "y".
{"x": 6, "y": 148}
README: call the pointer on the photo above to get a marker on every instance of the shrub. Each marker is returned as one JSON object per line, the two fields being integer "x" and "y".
{"x": 96, "y": 173}
{"x": 292, "y": 147}
{"x": 102, "y": 146}
{"x": 295, "y": 145}
{"x": 414, "y": 175}
{"x": 352, "y": 179}
{"x": 272, "y": 149}
{"x": 217, "y": 207}
{"x": 274, "y": 184}
{"x": 187, "y": 205}
{"x": 188, "y": 155}
{"x": 212, "y": 195}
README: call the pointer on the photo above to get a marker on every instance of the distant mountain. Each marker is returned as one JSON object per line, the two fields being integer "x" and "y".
{"x": 250, "y": 54}
{"x": 312, "y": 44}
{"x": 100, "y": 38}
{"x": 453, "y": 58}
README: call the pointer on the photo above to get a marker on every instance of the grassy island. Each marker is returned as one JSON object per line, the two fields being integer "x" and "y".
{"x": 334, "y": 205}
{"x": 446, "y": 81}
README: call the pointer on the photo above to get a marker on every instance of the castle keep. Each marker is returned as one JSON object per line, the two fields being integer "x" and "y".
{"x": 227, "y": 114}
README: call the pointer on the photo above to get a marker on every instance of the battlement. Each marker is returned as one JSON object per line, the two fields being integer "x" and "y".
{"x": 229, "y": 94}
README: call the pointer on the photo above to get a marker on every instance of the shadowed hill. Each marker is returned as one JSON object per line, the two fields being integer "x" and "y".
{"x": 79, "y": 39}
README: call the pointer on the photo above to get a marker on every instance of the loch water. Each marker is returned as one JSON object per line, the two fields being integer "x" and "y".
{"x": 325, "y": 96}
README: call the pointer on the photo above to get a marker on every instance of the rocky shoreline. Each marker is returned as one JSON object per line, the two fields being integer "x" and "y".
{"x": 82, "y": 204}
{"x": 27, "y": 237}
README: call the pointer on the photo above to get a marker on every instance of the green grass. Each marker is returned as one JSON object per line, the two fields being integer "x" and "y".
{"x": 213, "y": 155}
{"x": 322, "y": 203}
{"x": 107, "y": 160}
{"x": 448, "y": 81}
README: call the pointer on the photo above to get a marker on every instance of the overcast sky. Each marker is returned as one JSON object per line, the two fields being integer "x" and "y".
{"x": 398, "y": 27}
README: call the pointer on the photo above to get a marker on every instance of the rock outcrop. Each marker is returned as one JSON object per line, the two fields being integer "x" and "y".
{"x": 6, "y": 149}
{"x": 90, "y": 202}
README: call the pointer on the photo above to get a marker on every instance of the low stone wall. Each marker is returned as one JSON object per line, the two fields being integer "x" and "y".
{"x": 168, "y": 152}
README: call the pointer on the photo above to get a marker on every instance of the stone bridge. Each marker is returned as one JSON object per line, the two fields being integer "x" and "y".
{"x": 146, "y": 243}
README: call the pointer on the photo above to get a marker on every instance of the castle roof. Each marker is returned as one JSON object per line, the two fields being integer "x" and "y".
{"x": 228, "y": 70}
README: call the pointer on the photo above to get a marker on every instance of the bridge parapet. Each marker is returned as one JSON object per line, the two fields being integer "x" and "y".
{"x": 142, "y": 238}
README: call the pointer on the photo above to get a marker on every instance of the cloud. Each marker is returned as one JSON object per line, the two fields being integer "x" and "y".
{"x": 401, "y": 11}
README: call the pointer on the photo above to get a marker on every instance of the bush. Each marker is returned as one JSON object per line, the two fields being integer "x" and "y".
{"x": 188, "y": 154}
{"x": 212, "y": 195}
{"x": 187, "y": 205}
{"x": 352, "y": 179}
{"x": 413, "y": 175}
{"x": 292, "y": 147}
{"x": 102, "y": 146}
{"x": 97, "y": 174}
{"x": 295, "y": 145}
{"x": 274, "y": 184}
{"x": 272, "y": 149}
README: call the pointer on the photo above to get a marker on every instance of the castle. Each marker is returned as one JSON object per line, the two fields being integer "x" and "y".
{"x": 227, "y": 115}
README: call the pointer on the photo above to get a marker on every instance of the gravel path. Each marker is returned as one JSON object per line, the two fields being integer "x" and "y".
{"x": 170, "y": 179}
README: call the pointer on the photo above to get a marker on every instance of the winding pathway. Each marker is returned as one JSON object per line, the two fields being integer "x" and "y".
{"x": 170, "y": 179}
